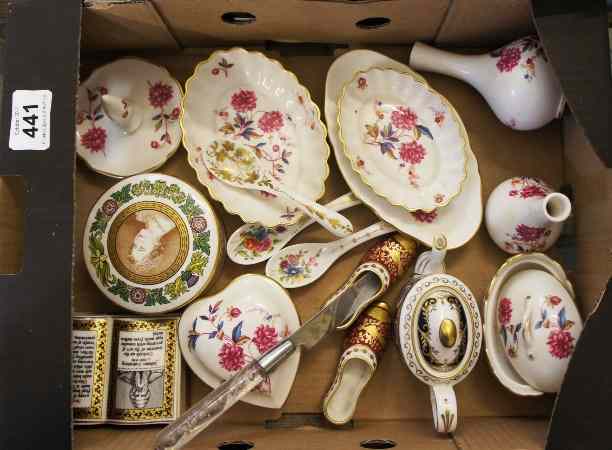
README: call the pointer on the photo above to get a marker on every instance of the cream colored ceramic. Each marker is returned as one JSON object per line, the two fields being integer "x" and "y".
{"x": 221, "y": 334}
{"x": 531, "y": 324}
{"x": 127, "y": 118}
{"x": 402, "y": 138}
{"x": 239, "y": 167}
{"x": 253, "y": 102}
{"x": 253, "y": 243}
{"x": 152, "y": 243}
{"x": 516, "y": 80}
{"x": 458, "y": 221}
{"x": 301, "y": 264}
{"x": 524, "y": 214}
{"x": 439, "y": 334}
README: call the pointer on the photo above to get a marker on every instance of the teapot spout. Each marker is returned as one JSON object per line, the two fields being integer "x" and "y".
{"x": 122, "y": 112}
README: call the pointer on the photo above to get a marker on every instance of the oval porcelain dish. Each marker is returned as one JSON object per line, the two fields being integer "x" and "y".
{"x": 531, "y": 324}
{"x": 221, "y": 334}
{"x": 390, "y": 129}
{"x": 247, "y": 100}
{"x": 128, "y": 118}
{"x": 152, "y": 243}
{"x": 459, "y": 221}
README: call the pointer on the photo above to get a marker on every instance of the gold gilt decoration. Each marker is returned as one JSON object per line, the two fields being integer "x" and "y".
{"x": 166, "y": 410}
{"x": 372, "y": 328}
{"x": 95, "y": 411}
{"x": 395, "y": 253}
{"x": 448, "y": 333}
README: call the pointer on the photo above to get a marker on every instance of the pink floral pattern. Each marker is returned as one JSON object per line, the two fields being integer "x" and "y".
{"x": 424, "y": 216}
{"x": 527, "y": 187}
{"x": 560, "y": 343}
{"x": 509, "y": 57}
{"x": 223, "y": 67}
{"x": 527, "y": 239}
{"x": 237, "y": 348}
{"x": 263, "y": 132}
{"x": 160, "y": 94}
{"x": 504, "y": 313}
{"x": 298, "y": 266}
{"x": 362, "y": 83}
{"x": 258, "y": 240}
{"x": 265, "y": 338}
{"x": 397, "y": 135}
{"x": 94, "y": 139}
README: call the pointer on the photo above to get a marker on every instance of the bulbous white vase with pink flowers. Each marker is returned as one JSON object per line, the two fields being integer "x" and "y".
{"x": 525, "y": 215}
{"x": 516, "y": 80}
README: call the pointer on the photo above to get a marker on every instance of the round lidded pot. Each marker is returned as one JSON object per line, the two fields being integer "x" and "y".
{"x": 538, "y": 325}
{"x": 439, "y": 334}
{"x": 524, "y": 214}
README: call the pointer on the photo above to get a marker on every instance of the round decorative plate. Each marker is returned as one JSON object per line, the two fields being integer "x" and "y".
{"x": 459, "y": 221}
{"x": 152, "y": 243}
{"x": 222, "y": 333}
{"x": 252, "y": 102}
{"x": 128, "y": 87}
{"x": 430, "y": 360}
{"x": 388, "y": 130}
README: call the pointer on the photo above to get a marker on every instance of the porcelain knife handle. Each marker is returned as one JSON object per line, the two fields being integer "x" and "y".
{"x": 197, "y": 418}
{"x": 373, "y": 231}
{"x": 176, "y": 435}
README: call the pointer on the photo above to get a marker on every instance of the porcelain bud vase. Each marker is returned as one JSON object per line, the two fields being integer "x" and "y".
{"x": 525, "y": 215}
{"x": 517, "y": 80}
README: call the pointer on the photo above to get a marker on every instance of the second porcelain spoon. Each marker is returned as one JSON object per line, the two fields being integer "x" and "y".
{"x": 253, "y": 243}
{"x": 236, "y": 166}
{"x": 301, "y": 264}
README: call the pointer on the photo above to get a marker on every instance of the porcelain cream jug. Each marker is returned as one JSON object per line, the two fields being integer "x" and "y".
{"x": 516, "y": 80}
{"x": 525, "y": 215}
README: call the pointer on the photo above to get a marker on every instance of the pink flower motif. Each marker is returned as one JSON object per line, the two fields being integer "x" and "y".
{"x": 439, "y": 117}
{"x": 231, "y": 357}
{"x": 138, "y": 295}
{"x": 560, "y": 343}
{"x": 109, "y": 207}
{"x": 424, "y": 217}
{"x": 154, "y": 144}
{"x": 159, "y": 94}
{"x": 94, "y": 139}
{"x": 439, "y": 198}
{"x": 554, "y": 300}
{"x": 312, "y": 261}
{"x": 265, "y": 338}
{"x": 362, "y": 83}
{"x": 534, "y": 190}
{"x": 258, "y": 246}
{"x": 509, "y": 58}
{"x": 412, "y": 152}
{"x": 270, "y": 121}
{"x": 175, "y": 113}
{"x": 404, "y": 118}
{"x": 198, "y": 224}
{"x": 504, "y": 311}
{"x": 233, "y": 312}
{"x": 244, "y": 101}
{"x": 526, "y": 233}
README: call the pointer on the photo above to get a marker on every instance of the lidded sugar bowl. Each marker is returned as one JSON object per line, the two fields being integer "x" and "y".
{"x": 439, "y": 333}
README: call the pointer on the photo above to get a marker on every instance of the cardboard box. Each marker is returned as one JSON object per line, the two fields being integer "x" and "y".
{"x": 42, "y": 219}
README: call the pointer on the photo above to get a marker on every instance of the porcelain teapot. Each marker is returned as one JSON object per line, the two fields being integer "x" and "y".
{"x": 438, "y": 332}
{"x": 517, "y": 81}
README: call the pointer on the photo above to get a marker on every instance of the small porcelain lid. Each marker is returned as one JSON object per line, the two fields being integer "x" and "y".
{"x": 152, "y": 243}
{"x": 127, "y": 118}
{"x": 222, "y": 333}
{"x": 439, "y": 329}
{"x": 531, "y": 324}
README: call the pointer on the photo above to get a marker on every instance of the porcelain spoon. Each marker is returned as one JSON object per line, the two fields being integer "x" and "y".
{"x": 253, "y": 243}
{"x": 301, "y": 264}
{"x": 236, "y": 166}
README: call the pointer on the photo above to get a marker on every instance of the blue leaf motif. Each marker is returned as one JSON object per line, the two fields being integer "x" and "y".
{"x": 544, "y": 314}
{"x": 424, "y": 130}
{"x": 220, "y": 326}
{"x": 195, "y": 322}
{"x": 192, "y": 341}
{"x": 538, "y": 324}
{"x": 517, "y": 329}
{"x": 237, "y": 332}
{"x": 203, "y": 318}
{"x": 212, "y": 335}
{"x": 504, "y": 335}
{"x": 562, "y": 318}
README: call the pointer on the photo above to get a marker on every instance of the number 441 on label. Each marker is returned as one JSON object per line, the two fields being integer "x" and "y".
{"x": 30, "y": 120}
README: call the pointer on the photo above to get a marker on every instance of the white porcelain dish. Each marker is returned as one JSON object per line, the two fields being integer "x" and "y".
{"x": 529, "y": 341}
{"x": 152, "y": 243}
{"x": 402, "y": 138}
{"x": 220, "y": 334}
{"x": 250, "y": 100}
{"x": 458, "y": 221}
{"x": 105, "y": 141}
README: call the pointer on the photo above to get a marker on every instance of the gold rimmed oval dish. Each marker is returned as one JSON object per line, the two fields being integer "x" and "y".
{"x": 402, "y": 138}
{"x": 152, "y": 243}
{"x": 254, "y": 105}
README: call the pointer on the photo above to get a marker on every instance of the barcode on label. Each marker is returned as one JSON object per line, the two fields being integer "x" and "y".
{"x": 30, "y": 120}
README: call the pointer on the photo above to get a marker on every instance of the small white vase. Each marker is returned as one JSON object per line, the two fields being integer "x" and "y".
{"x": 516, "y": 80}
{"x": 525, "y": 215}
